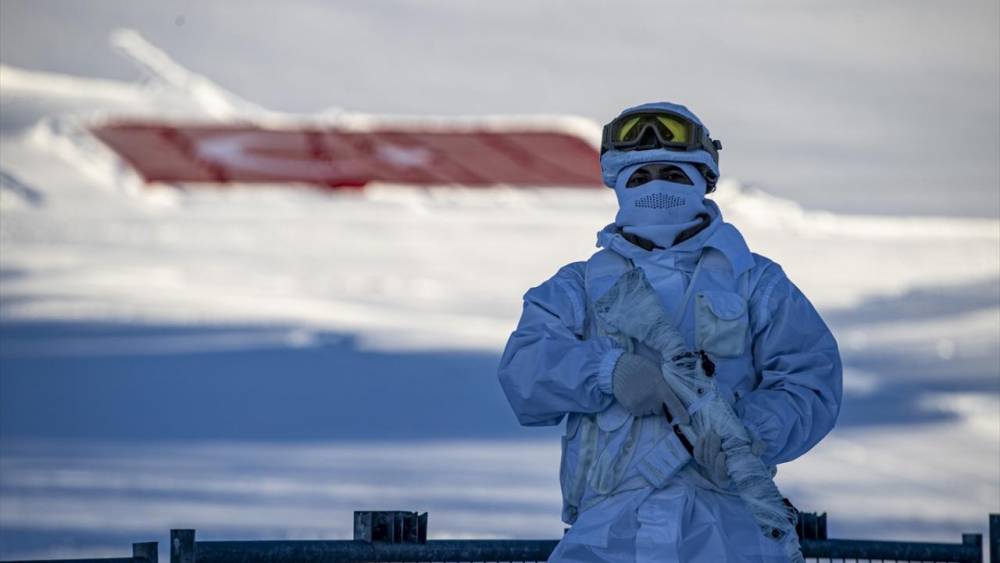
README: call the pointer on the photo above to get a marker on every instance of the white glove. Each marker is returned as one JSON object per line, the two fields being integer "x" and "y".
{"x": 638, "y": 385}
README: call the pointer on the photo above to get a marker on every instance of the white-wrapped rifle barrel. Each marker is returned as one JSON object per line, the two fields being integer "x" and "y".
{"x": 633, "y": 308}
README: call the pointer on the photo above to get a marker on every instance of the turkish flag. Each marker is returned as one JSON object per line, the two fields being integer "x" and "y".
{"x": 335, "y": 158}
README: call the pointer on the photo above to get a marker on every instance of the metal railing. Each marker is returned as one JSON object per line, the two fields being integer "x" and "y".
{"x": 402, "y": 536}
{"x": 145, "y": 552}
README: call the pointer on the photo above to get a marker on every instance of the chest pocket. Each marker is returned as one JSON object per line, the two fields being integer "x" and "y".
{"x": 721, "y": 323}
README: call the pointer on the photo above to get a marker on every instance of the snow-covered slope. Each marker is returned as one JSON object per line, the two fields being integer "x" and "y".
{"x": 429, "y": 260}
{"x": 913, "y": 301}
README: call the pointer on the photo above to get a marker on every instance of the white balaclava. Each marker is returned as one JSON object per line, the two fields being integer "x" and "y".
{"x": 660, "y": 210}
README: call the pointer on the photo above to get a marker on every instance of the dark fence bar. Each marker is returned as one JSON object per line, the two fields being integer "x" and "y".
{"x": 145, "y": 552}
{"x": 535, "y": 550}
{"x": 538, "y": 550}
{"x": 98, "y": 560}
{"x": 970, "y": 551}
{"x": 384, "y": 538}
{"x": 401, "y": 536}
{"x": 349, "y": 550}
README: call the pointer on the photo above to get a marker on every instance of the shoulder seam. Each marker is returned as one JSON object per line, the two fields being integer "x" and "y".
{"x": 768, "y": 290}
{"x": 570, "y": 291}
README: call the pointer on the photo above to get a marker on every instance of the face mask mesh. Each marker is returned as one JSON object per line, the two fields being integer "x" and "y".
{"x": 660, "y": 201}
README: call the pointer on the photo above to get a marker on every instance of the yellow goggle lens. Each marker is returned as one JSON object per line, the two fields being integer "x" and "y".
{"x": 679, "y": 131}
{"x": 628, "y": 126}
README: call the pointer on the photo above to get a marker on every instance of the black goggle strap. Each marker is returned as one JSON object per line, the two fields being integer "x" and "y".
{"x": 710, "y": 145}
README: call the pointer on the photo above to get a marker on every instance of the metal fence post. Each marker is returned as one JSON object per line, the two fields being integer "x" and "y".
{"x": 182, "y": 546}
{"x": 811, "y": 526}
{"x": 974, "y": 540}
{"x": 391, "y": 526}
{"x": 995, "y": 538}
{"x": 150, "y": 551}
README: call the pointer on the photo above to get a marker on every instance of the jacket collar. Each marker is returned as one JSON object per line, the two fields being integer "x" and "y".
{"x": 718, "y": 235}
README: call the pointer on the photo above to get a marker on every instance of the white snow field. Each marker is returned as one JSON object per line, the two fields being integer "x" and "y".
{"x": 124, "y": 296}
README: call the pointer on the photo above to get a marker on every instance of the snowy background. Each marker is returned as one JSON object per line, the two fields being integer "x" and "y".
{"x": 259, "y": 361}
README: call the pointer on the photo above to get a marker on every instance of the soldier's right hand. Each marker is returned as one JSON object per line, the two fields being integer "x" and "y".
{"x": 638, "y": 385}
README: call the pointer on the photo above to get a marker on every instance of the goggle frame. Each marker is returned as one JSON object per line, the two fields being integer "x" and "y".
{"x": 698, "y": 136}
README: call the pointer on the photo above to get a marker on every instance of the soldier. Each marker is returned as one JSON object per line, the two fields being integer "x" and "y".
{"x": 632, "y": 489}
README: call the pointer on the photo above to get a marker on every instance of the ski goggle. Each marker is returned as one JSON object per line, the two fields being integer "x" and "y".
{"x": 655, "y": 130}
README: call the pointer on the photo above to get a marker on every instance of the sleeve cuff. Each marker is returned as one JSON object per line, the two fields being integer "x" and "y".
{"x": 607, "y": 368}
{"x": 754, "y": 431}
{"x": 757, "y": 424}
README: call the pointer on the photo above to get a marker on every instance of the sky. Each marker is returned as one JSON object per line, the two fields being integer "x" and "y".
{"x": 888, "y": 107}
